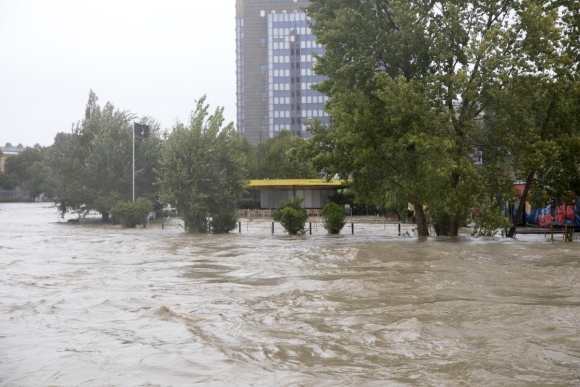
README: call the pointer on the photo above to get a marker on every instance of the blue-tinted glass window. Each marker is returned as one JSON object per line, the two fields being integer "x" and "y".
{"x": 263, "y": 122}
{"x": 263, "y": 94}
{"x": 263, "y": 68}
{"x": 263, "y": 41}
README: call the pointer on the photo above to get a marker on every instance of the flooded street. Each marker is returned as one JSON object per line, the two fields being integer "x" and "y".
{"x": 96, "y": 305}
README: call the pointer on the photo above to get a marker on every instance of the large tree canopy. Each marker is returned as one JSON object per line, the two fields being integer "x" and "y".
{"x": 415, "y": 90}
{"x": 203, "y": 171}
{"x": 95, "y": 159}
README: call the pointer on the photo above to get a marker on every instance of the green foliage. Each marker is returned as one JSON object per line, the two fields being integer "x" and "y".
{"x": 278, "y": 158}
{"x": 96, "y": 158}
{"x": 130, "y": 214}
{"x": 334, "y": 218}
{"x": 490, "y": 221}
{"x": 223, "y": 222}
{"x": 417, "y": 87}
{"x": 19, "y": 164}
{"x": 105, "y": 204}
{"x": 9, "y": 181}
{"x": 203, "y": 170}
{"x": 40, "y": 179}
{"x": 291, "y": 216}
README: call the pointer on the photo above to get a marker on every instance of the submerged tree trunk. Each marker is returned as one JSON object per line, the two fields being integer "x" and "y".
{"x": 422, "y": 229}
{"x": 105, "y": 216}
{"x": 454, "y": 220}
{"x": 512, "y": 231}
{"x": 441, "y": 224}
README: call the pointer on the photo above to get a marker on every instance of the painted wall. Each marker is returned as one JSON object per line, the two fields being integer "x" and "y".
{"x": 560, "y": 216}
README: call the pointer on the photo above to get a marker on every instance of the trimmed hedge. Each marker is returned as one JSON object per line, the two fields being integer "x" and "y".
{"x": 291, "y": 216}
{"x": 334, "y": 218}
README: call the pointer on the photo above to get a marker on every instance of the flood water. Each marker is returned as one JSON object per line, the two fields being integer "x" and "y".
{"x": 96, "y": 305}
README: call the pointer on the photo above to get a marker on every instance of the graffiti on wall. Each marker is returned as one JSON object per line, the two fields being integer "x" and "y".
{"x": 558, "y": 216}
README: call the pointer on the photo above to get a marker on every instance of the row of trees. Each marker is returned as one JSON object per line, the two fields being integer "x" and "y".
{"x": 201, "y": 167}
{"x": 417, "y": 88}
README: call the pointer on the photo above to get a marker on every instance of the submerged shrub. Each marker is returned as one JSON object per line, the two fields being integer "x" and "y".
{"x": 223, "y": 222}
{"x": 291, "y": 216}
{"x": 334, "y": 218}
{"x": 130, "y": 214}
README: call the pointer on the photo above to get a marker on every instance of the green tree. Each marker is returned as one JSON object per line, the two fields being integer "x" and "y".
{"x": 334, "y": 218}
{"x": 96, "y": 158}
{"x": 40, "y": 180}
{"x": 544, "y": 122}
{"x": 385, "y": 58}
{"x": 8, "y": 181}
{"x": 291, "y": 216}
{"x": 19, "y": 164}
{"x": 203, "y": 171}
{"x": 277, "y": 158}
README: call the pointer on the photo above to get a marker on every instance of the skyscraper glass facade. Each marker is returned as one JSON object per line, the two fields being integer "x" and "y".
{"x": 240, "y": 75}
{"x": 275, "y": 54}
{"x": 291, "y": 102}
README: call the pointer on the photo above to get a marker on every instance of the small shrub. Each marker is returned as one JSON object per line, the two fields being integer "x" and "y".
{"x": 130, "y": 214}
{"x": 490, "y": 221}
{"x": 223, "y": 222}
{"x": 291, "y": 216}
{"x": 334, "y": 218}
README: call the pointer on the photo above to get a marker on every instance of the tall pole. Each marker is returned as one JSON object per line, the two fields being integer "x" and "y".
{"x": 133, "y": 161}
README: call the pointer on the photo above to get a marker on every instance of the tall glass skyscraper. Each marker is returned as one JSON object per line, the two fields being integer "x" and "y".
{"x": 275, "y": 48}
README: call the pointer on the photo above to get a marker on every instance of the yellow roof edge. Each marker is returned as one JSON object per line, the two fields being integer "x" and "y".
{"x": 300, "y": 182}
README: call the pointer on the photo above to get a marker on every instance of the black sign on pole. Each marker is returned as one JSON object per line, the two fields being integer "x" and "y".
{"x": 141, "y": 131}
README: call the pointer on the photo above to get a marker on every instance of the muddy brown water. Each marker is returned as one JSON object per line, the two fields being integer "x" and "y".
{"x": 96, "y": 305}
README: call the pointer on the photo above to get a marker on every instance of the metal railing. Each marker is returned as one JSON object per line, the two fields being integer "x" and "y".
{"x": 9, "y": 194}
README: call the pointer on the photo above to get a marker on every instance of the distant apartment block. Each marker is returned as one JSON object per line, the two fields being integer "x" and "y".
{"x": 274, "y": 57}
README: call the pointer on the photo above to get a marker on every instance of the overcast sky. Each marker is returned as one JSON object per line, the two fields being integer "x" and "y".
{"x": 153, "y": 58}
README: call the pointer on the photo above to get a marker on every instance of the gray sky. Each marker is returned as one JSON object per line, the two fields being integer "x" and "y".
{"x": 151, "y": 57}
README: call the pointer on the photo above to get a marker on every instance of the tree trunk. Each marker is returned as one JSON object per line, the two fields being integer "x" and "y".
{"x": 441, "y": 224}
{"x": 105, "y": 216}
{"x": 512, "y": 231}
{"x": 422, "y": 229}
{"x": 454, "y": 220}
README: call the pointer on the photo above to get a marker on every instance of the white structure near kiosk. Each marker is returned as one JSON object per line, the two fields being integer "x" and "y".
{"x": 315, "y": 192}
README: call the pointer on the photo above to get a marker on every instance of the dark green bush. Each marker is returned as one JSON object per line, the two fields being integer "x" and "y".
{"x": 334, "y": 218}
{"x": 104, "y": 204}
{"x": 223, "y": 222}
{"x": 291, "y": 216}
{"x": 130, "y": 214}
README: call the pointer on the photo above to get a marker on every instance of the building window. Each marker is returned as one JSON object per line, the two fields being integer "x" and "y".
{"x": 263, "y": 41}
{"x": 262, "y": 12}
{"x": 263, "y": 68}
